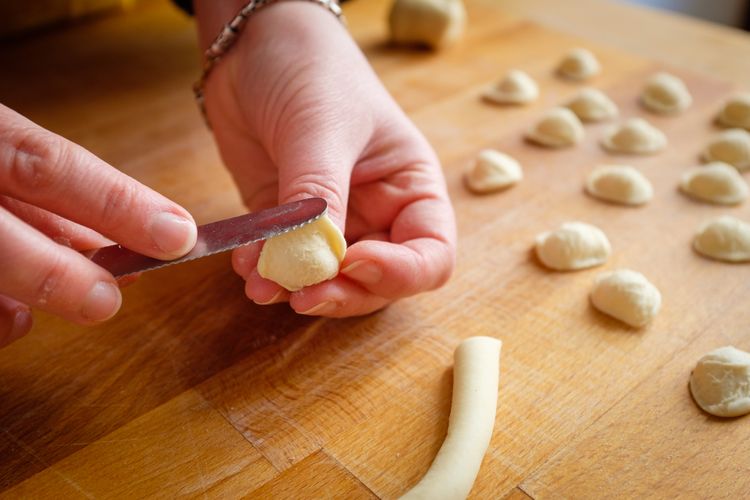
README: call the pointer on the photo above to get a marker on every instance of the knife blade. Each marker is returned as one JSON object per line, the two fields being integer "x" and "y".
{"x": 217, "y": 237}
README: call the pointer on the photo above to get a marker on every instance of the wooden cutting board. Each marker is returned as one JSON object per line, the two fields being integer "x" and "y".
{"x": 194, "y": 391}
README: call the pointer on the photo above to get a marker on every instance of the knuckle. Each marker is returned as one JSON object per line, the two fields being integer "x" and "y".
{"x": 119, "y": 201}
{"x": 50, "y": 282}
{"x": 34, "y": 158}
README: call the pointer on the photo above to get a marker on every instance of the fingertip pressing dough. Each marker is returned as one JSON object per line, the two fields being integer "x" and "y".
{"x": 579, "y": 64}
{"x": 619, "y": 184}
{"x": 516, "y": 87}
{"x": 559, "y": 127}
{"x": 493, "y": 171}
{"x": 720, "y": 382}
{"x": 593, "y": 105}
{"x": 716, "y": 183}
{"x": 736, "y": 112}
{"x": 433, "y": 23}
{"x": 304, "y": 256}
{"x": 731, "y": 146}
{"x": 575, "y": 245}
{"x": 666, "y": 94}
{"x": 476, "y": 374}
{"x": 627, "y": 296}
{"x": 724, "y": 238}
{"x": 635, "y": 136}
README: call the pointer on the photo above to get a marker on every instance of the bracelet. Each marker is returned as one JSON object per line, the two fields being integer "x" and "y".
{"x": 222, "y": 43}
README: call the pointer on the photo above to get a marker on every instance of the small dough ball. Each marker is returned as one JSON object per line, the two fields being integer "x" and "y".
{"x": 619, "y": 184}
{"x": 433, "y": 23}
{"x": 666, "y": 94}
{"x": 626, "y": 295}
{"x": 579, "y": 64}
{"x": 493, "y": 171}
{"x": 635, "y": 136}
{"x": 305, "y": 256}
{"x": 592, "y": 105}
{"x": 716, "y": 183}
{"x": 731, "y": 146}
{"x": 559, "y": 127}
{"x": 736, "y": 112}
{"x": 516, "y": 87}
{"x": 720, "y": 382}
{"x": 725, "y": 238}
{"x": 575, "y": 245}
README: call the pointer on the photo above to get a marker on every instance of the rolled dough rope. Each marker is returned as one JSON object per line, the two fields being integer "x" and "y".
{"x": 476, "y": 373}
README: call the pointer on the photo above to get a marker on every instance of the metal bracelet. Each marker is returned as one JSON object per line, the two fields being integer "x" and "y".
{"x": 228, "y": 36}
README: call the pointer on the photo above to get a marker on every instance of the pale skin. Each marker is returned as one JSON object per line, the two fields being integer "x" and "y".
{"x": 296, "y": 112}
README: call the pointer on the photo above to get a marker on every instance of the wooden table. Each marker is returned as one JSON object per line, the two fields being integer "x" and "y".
{"x": 192, "y": 390}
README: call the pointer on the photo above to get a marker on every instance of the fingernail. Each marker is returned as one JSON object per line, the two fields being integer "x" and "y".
{"x": 270, "y": 301}
{"x": 173, "y": 235}
{"x": 364, "y": 271}
{"x": 102, "y": 302}
{"x": 321, "y": 309}
{"x": 21, "y": 323}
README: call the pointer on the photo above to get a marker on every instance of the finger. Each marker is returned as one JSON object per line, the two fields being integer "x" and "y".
{"x": 337, "y": 298}
{"x": 264, "y": 292}
{"x": 15, "y": 320}
{"x": 46, "y": 170}
{"x": 51, "y": 277}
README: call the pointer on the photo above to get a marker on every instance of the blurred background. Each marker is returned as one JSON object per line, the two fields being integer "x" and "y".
{"x": 18, "y": 18}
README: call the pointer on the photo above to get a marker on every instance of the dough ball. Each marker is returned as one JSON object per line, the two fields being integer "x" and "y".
{"x": 579, "y": 64}
{"x": 575, "y": 245}
{"x": 736, "y": 112}
{"x": 635, "y": 136}
{"x": 724, "y": 238}
{"x": 626, "y": 295}
{"x": 592, "y": 105}
{"x": 305, "y": 256}
{"x": 731, "y": 146}
{"x": 432, "y": 23}
{"x": 559, "y": 127}
{"x": 619, "y": 184}
{"x": 720, "y": 382}
{"x": 716, "y": 183}
{"x": 666, "y": 94}
{"x": 515, "y": 88}
{"x": 493, "y": 171}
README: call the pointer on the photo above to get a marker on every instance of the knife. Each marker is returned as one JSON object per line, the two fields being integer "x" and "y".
{"x": 217, "y": 237}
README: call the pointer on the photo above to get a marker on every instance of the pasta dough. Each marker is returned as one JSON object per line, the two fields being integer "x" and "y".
{"x": 725, "y": 238}
{"x": 592, "y": 105}
{"x": 635, "y": 136}
{"x": 433, "y": 23}
{"x": 559, "y": 127}
{"x": 731, "y": 146}
{"x": 666, "y": 94}
{"x": 736, "y": 112}
{"x": 493, "y": 171}
{"x": 304, "y": 256}
{"x": 716, "y": 182}
{"x": 515, "y": 88}
{"x": 720, "y": 382}
{"x": 626, "y": 295}
{"x": 575, "y": 245}
{"x": 476, "y": 374}
{"x": 619, "y": 184}
{"x": 579, "y": 64}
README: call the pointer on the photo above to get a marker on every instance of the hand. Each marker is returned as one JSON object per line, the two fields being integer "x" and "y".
{"x": 298, "y": 112}
{"x": 57, "y": 199}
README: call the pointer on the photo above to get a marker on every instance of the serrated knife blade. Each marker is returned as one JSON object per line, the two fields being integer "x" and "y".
{"x": 216, "y": 237}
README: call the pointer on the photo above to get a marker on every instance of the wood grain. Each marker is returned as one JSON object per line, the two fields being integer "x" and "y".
{"x": 194, "y": 391}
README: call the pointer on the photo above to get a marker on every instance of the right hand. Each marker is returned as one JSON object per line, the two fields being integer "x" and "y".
{"x": 56, "y": 200}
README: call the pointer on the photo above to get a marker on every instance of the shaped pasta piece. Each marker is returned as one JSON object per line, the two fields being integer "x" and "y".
{"x": 516, "y": 87}
{"x": 619, "y": 184}
{"x": 432, "y": 23}
{"x": 635, "y": 136}
{"x": 666, "y": 94}
{"x": 736, "y": 112}
{"x": 579, "y": 64}
{"x": 720, "y": 382}
{"x": 731, "y": 146}
{"x": 626, "y": 295}
{"x": 575, "y": 245}
{"x": 559, "y": 127}
{"x": 493, "y": 171}
{"x": 593, "y": 105}
{"x": 724, "y": 238}
{"x": 716, "y": 183}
